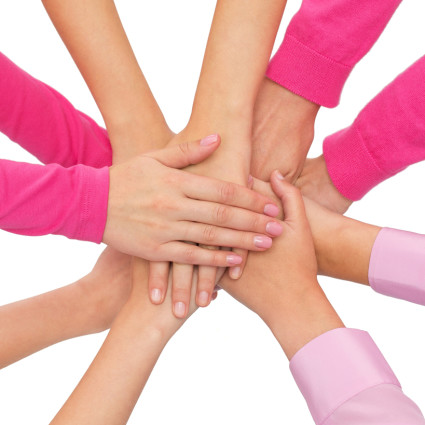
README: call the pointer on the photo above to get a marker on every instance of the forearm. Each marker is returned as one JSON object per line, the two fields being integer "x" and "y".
{"x": 93, "y": 34}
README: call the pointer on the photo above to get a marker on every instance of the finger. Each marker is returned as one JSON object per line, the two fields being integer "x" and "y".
{"x": 236, "y": 272}
{"x": 206, "y": 283}
{"x": 185, "y": 253}
{"x": 158, "y": 281}
{"x": 188, "y": 153}
{"x": 230, "y": 217}
{"x": 292, "y": 201}
{"x": 207, "y": 234}
{"x": 182, "y": 283}
{"x": 207, "y": 189}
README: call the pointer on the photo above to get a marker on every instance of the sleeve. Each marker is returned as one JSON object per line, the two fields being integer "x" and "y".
{"x": 50, "y": 199}
{"x": 44, "y": 123}
{"x": 387, "y": 136}
{"x": 397, "y": 265}
{"x": 323, "y": 43}
{"x": 346, "y": 381}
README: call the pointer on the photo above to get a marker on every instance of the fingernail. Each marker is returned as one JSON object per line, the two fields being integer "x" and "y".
{"x": 180, "y": 309}
{"x": 235, "y": 272}
{"x": 156, "y": 295}
{"x": 209, "y": 140}
{"x": 234, "y": 259}
{"x": 274, "y": 228}
{"x": 279, "y": 175}
{"x": 203, "y": 298}
{"x": 271, "y": 210}
{"x": 262, "y": 242}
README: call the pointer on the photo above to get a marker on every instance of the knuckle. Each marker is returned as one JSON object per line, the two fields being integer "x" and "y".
{"x": 257, "y": 222}
{"x": 184, "y": 148}
{"x": 209, "y": 234}
{"x": 227, "y": 192}
{"x": 222, "y": 214}
{"x": 189, "y": 255}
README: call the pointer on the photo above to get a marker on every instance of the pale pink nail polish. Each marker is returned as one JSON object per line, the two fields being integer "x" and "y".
{"x": 271, "y": 210}
{"x": 209, "y": 140}
{"x": 234, "y": 259}
{"x": 279, "y": 175}
{"x": 156, "y": 295}
{"x": 203, "y": 298}
{"x": 179, "y": 309}
{"x": 274, "y": 228}
{"x": 235, "y": 272}
{"x": 262, "y": 242}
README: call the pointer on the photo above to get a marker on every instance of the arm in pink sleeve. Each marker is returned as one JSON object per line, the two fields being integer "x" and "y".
{"x": 387, "y": 136}
{"x": 44, "y": 123}
{"x": 346, "y": 381}
{"x": 40, "y": 200}
{"x": 397, "y": 265}
{"x": 323, "y": 43}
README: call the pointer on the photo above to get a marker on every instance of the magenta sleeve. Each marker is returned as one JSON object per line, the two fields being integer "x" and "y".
{"x": 387, "y": 136}
{"x": 323, "y": 43}
{"x": 397, "y": 265}
{"x": 346, "y": 380}
{"x": 44, "y": 123}
{"x": 50, "y": 199}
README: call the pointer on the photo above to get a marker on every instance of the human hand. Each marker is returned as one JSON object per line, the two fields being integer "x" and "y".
{"x": 315, "y": 183}
{"x": 283, "y": 130}
{"x": 136, "y": 209}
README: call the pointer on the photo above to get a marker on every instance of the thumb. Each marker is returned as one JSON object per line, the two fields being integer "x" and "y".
{"x": 292, "y": 201}
{"x": 188, "y": 153}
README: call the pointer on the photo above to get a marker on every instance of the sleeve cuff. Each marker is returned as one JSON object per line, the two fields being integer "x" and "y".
{"x": 397, "y": 266}
{"x": 308, "y": 73}
{"x": 350, "y": 165}
{"x": 336, "y": 366}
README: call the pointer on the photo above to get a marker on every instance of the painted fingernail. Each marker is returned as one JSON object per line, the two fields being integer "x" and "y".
{"x": 234, "y": 259}
{"x": 209, "y": 140}
{"x": 279, "y": 175}
{"x": 180, "y": 309}
{"x": 235, "y": 272}
{"x": 203, "y": 298}
{"x": 262, "y": 242}
{"x": 271, "y": 210}
{"x": 156, "y": 295}
{"x": 274, "y": 228}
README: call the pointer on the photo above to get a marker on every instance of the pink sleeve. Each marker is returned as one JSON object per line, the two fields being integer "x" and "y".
{"x": 397, "y": 265}
{"x": 323, "y": 43}
{"x": 44, "y": 123}
{"x": 346, "y": 381}
{"x": 50, "y": 199}
{"x": 387, "y": 136}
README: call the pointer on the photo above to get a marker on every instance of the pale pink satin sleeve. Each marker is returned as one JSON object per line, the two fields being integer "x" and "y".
{"x": 397, "y": 265}
{"x": 346, "y": 380}
{"x": 323, "y": 43}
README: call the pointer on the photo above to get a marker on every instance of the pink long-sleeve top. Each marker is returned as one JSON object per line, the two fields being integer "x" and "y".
{"x": 69, "y": 195}
{"x": 323, "y": 43}
{"x": 345, "y": 380}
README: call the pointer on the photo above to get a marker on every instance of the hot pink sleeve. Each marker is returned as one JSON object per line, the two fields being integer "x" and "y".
{"x": 387, "y": 136}
{"x": 50, "y": 199}
{"x": 323, "y": 43}
{"x": 44, "y": 123}
{"x": 345, "y": 380}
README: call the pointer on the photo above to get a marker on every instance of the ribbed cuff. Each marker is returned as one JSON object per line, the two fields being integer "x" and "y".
{"x": 307, "y": 73}
{"x": 350, "y": 165}
{"x": 336, "y": 366}
{"x": 397, "y": 266}
{"x": 94, "y": 204}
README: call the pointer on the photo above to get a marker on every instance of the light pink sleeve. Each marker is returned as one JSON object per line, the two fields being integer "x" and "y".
{"x": 387, "y": 136}
{"x": 44, "y": 123}
{"x": 50, "y": 199}
{"x": 323, "y": 43}
{"x": 345, "y": 380}
{"x": 397, "y": 265}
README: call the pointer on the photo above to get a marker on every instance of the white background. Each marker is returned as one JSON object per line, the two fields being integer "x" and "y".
{"x": 224, "y": 365}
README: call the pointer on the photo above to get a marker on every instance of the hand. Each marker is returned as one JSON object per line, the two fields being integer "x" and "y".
{"x": 149, "y": 220}
{"x": 283, "y": 130}
{"x": 315, "y": 183}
